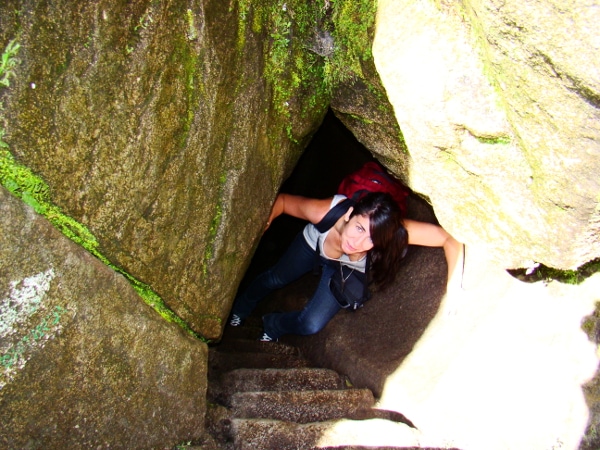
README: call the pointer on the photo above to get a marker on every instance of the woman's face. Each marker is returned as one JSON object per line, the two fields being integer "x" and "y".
{"x": 355, "y": 236}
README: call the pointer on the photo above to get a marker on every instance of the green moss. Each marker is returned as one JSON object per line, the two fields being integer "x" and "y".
{"x": 184, "y": 64}
{"x": 8, "y": 61}
{"x": 296, "y": 70}
{"x": 14, "y": 354}
{"x": 191, "y": 32}
{"x": 30, "y": 188}
{"x": 469, "y": 15}
{"x": 591, "y": 324}
{"x": 139, "y": 28}
{"x": 214, "y": 227}
{"x": 144, "y": 21}
{"x": 353, "y": 27}
{"x": 361, "y": 119}
{"x": 243, "y": 13}
{"x": 502, "y": 140}
{"x": 497, "y": 78}
{"x": 545, "y": 273}
{"x": 283, "y": 59}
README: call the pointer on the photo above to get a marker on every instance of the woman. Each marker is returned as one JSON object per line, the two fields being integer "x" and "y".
{"x": 372, "y": 226}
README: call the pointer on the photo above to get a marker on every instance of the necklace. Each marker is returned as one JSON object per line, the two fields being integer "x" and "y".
{"x": 342, "y": 275}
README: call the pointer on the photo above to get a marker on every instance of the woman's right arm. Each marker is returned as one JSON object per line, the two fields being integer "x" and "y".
{"x": 305, "y": 208}
{"x": 429, "y": 235}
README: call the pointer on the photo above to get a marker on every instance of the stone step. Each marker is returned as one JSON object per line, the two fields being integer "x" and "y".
{"x": 243, "y": 332}
{"x": 248, "y": 380}
{"x": 302, "y": 379}
{"x": 301, "y": 406}
{"x": 220, "y": 362}
{"x": 247, "y": 434}
{"x": 242, "y": 345}
{"x": 267, "y": 396}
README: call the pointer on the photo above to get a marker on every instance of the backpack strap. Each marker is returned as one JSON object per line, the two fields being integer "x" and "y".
{"x": 334, "y": 214}
{"x": 317, "y": 264}
{"x": 326, "y": 223}
{"x": 329, "y": 220}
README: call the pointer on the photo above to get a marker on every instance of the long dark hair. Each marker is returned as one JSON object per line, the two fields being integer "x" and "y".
{"x": 390, "y": 238}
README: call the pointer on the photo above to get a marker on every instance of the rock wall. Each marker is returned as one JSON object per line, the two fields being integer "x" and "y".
{"x": 165, "y": 128}
{"x": 498, "y": 104}
{"x": 85, "y": 363}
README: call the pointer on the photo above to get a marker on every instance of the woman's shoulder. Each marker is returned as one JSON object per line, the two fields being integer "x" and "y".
{"x": 311, "y": 209}
{"x": 336, "y": 199}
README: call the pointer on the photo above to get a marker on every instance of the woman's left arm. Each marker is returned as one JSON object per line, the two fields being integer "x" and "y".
{"x": 429, "y": 235}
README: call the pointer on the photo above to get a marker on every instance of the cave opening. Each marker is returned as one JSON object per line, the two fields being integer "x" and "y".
{"x": 332, "y": 153}
{"x": 356, "y": 344}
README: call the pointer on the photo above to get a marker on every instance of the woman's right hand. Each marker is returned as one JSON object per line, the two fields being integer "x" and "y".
{"x": 305, "y": 208}
{"x": 276, "y": 210}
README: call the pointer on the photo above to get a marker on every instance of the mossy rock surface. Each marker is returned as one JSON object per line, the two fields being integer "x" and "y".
{"x": 85, "y": 362}
{"x": 155, "y": 126}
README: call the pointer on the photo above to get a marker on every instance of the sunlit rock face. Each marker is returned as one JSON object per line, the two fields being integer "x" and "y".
{"x": 490, "y": 363}
{"x": 498, "y": 104}
{"x": 86, "y": 363}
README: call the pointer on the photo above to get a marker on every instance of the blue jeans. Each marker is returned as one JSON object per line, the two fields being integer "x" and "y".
{"x": 298, "y": 260}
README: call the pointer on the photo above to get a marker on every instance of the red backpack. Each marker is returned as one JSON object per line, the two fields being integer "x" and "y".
{"x": 372, "y": 177}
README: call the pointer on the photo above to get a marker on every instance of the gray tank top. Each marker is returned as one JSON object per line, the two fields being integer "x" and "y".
{"x": 312, "y": 235}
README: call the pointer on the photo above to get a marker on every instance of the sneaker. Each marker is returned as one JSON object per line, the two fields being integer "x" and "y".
{"x": 266, "y": 338}
{"x": 235, "y": 321}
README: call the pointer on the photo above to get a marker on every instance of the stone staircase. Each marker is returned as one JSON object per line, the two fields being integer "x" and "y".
{"x": 267, "y": 396}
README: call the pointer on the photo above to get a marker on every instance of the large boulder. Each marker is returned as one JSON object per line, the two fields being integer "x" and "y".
{"x": 85, "y": 362}
{"x": 166, "y": 129}
{"x": 504, "y": 364}
{"x": 491, "y": 362}
{"x": 498, "y": 105}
